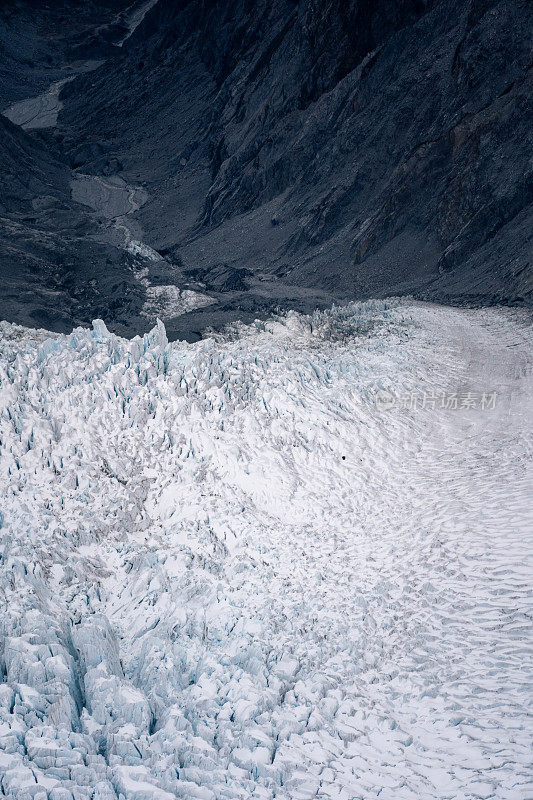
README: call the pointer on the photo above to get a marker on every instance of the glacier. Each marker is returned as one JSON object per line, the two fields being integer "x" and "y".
{"x": 229, "y": 571}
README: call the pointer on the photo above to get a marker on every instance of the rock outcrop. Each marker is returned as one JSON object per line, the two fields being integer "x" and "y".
{"x": 295, "y": 154}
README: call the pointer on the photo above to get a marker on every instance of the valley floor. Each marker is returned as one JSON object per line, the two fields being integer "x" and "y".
{"x": 286, "y": 562}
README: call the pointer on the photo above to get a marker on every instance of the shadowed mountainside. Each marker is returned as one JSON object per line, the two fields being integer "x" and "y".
{"x": 54, "y": 272}
{"x": 298, "y": 153}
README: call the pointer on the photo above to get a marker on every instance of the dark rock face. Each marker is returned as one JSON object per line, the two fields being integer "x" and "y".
{"x": 297, "y": 153}
{"x": 38, "y": 39}
{"x": 391, "y": 140}
{"x": 53, "y": 274}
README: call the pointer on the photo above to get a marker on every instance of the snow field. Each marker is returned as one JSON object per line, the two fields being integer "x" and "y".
{"x": 228, "y": 573}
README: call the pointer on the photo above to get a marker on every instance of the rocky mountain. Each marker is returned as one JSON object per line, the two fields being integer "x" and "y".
{"x": 39, "y": 39}
{"x": 295, "y": 154}
{"x": 54, "y": 270}
{"x": 286, "y": 558}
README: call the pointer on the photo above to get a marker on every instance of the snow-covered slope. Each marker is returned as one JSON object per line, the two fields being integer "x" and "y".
{"x": 269, "y": 564}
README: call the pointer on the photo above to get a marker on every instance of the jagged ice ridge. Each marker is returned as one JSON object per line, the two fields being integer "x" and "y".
{"x": 226, "y": 572}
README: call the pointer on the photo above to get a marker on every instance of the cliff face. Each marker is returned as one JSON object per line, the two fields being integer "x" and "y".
{"x": 366, "y": 147}
{"x": 38, "y": 39}
{"x": 298, "y": 153}
{"x": 54, "y": 272}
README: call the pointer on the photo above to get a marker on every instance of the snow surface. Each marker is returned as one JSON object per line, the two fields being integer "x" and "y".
{"x": 229, "y": 570}
{"x": 168, "y": 301}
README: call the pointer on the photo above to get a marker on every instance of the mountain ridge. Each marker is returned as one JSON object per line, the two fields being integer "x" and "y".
{"x": 297, "y": 154}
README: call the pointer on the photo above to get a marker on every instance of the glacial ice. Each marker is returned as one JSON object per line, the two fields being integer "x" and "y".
{"x": 227, "y": 573}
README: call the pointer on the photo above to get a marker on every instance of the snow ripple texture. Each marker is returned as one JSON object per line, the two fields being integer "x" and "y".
{"x": 227, "y": 573}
